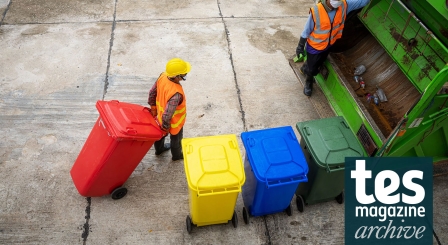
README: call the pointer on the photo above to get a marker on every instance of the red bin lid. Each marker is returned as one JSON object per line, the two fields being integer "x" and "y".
{"x": 127, "y": 120}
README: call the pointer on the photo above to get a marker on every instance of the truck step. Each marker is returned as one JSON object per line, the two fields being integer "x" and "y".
{"x": 318, "y": 98}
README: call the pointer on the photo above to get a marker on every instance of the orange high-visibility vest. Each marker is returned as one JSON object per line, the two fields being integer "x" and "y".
{"x": 165, "y": 90}
{"x": 326, "y": 33}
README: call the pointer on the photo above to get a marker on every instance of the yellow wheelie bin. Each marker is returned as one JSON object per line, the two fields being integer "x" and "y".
{"x": 215, "y": 175}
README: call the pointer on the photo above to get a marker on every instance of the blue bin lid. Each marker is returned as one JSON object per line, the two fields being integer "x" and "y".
{"x": 275, "y": 154}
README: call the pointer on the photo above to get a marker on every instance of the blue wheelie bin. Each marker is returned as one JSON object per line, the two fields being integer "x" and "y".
{"x": 274, "y": 166}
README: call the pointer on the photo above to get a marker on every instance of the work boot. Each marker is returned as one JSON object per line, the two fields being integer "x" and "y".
{"x": 177, "y": 154}
{"x": 166, "y": 147}
{"x": 303, "y": 69}
{"x": 308, "y": 88}
{"x": 179, "y": 157}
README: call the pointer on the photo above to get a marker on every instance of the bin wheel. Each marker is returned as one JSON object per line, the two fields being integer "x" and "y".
{"x": 246, "y": 215}
{"x": 189, "y": 224}
{"x": 340, "y": 198}
{"x": 300, "y": 203}
{"x": 288, "y": 210}
{"x": 119, "y": 193}
{"x": 234, "y": 220}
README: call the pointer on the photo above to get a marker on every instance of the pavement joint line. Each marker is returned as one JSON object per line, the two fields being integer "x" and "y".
{"x": 111, "y": 44}
{"x": 267, "y": 230}
{"x": 4, "y": 13}
{"x": 229, "y": 48}
{"x": 57, "y": 23}
{"x": 220, "y": 17}
{"x": 148, "y": 20}
{"x": 436, "y": 237}
{"x": 86, "y": 226}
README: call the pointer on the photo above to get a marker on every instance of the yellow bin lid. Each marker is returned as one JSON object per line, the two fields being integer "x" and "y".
{"x": 213, "y": 164}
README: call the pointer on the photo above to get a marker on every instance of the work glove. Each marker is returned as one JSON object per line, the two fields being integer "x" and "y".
{"x": 300, "y": 50}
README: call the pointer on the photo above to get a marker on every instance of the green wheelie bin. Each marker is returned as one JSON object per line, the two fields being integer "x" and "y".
{"x": 325, "y": 143}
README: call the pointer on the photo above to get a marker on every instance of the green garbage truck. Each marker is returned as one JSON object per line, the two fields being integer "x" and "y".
{"x": 399, "y": 105}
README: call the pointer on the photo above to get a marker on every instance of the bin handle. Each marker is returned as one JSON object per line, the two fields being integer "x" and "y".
{"x": 189, "y": 149}
{"x": 307, "y": 131}
{"x": 214, "y": 193}
{"x": 299, "y": 179}
{"x": 232, "y": 144}
{"x": 345, "y": 124}
{"x": 251, "y": 142}
{"x": 331, "y": 170}
{"x": 131, "y": 131}
{"x": 293, "y": 136}
{"x": 101, "y": 123}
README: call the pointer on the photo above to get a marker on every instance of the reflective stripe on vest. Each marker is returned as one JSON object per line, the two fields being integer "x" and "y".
{"x": 165, "y": 90}
{"x": 338, "y": 27}
{"x": 326, "y": 33}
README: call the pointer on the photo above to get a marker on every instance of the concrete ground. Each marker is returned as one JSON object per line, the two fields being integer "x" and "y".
{"x": 58, "y": 57}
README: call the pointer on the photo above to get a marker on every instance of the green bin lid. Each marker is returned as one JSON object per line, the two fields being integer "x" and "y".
{"x": 329, "y": 141}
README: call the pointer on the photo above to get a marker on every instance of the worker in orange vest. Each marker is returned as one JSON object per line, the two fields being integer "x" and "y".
{"x": 323, "y": 27}
{"x": 168, "y": 103}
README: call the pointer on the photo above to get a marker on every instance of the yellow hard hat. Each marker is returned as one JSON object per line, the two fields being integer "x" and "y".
{"x": 176, "y": 67}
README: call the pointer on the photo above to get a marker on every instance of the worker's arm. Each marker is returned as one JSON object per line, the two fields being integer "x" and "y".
{"x": 355, "y": 4}
{"x": 152, "y": 99}
{"x": 170, "y": 108}
{"x": 309, "y": 27}
{"x": 152, "y": 95}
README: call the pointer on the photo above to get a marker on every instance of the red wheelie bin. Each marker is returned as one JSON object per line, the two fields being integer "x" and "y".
{"x": 119, "y": 140}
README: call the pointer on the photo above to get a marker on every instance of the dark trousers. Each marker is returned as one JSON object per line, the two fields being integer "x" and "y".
{"x": 313, "y": 62}
{"x": 176, "y": 148}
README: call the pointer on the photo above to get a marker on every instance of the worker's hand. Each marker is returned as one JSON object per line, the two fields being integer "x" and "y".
{"x": 166, "y": 131}
{"x": 153, "y": 111}
{"x": 300, "y": 50}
